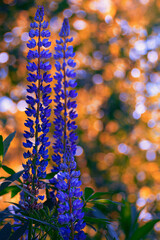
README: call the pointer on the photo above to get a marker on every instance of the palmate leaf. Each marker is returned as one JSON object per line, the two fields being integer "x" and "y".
{"x": 5, "y": 191}
{"x": 141, "y": 232}
{"x": 7, "y": 141}
{"x": 87, "y": 193}
{"x": 5, "y": 232}
{"x": 10, "y": 179}
{"x": 13, "y": 189}
{"x": 90, "y": 195}
{"x": 24, "y": 190}
{"x": 97, "y": 195}
{"x": 21, "y": 189}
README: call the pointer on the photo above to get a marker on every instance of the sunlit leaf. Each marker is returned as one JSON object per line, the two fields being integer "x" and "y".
{"x": 104, "y": 201}
{"x": 8, "y": 169}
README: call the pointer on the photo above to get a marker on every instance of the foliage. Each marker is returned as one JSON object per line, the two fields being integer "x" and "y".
{"x": 45, "y": 223}
{"x": 44, "y": 220}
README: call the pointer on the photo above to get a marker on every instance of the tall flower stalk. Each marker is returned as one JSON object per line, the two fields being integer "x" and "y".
{"x": 67, "y": 182}
{"x": 38, "y": 112}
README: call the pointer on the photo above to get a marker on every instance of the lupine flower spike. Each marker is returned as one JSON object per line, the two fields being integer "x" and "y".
{"x": 67, "y": 182}
{"x": 38, "y": 111}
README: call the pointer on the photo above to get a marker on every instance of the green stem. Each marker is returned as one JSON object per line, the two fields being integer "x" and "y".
{"x": 30, "y": 230}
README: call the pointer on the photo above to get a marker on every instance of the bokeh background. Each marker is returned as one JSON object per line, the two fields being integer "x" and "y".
{"x": 117, "y": 44}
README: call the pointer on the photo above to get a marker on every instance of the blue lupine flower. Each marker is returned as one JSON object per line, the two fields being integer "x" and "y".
{"x": 67, "y": 182}
{"x": 38, "y": 112}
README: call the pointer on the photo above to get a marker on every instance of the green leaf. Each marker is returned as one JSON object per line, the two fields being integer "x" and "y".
{"x": 36, "y": 220}
{"x": 5, "y": 191}
{"x": 5, "y": 232}
{"x": 104, "y": 201}
{"x": 14, "y": 191}
{"x": 88, "y": 192}
{"x": 126, "y": 219}
{"x": 49, "y": 176}
{"x": 8, "y": 170}
{"x": 141, "y": 232}
{"x": 10, "y": 179}
{"x": 19, "y": 232}
{"x": 134, "y": 217}
{"x": 24, "y": 190}
{"x": 97, "y": 213}
{"x": 1, "y": 149}
{"x": 97, "y": 195}
{"x": 7, "y": 142}
{"x": 93, "y": 220}
{"x": 87, "y": 209}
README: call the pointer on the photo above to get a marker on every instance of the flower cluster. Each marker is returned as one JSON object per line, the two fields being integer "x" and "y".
{"x": 38, "y": 112}
{"x": 67, "y": 182}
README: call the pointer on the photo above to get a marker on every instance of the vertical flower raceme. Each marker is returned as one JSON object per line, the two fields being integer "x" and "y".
{"x": 67, "y": 182}
{"x": 38, "y": 112}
